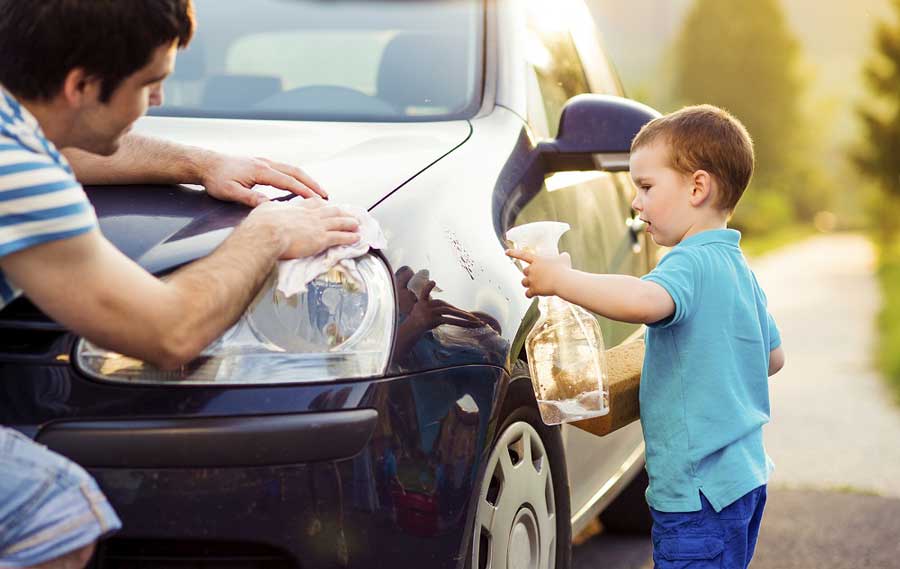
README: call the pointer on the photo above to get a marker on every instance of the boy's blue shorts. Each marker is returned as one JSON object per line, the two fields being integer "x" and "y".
{"x": 706, "y": 539}
{"x": 49, "y": 506}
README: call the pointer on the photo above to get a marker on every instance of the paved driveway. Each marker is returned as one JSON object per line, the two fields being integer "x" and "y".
{"x": 834, "y": 422}
{"x": 834, "y": 500}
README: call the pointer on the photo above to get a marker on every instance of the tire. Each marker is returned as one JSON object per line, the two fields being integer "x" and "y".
{"x": 522, "y": 511}
{"x": 629, "y": 513}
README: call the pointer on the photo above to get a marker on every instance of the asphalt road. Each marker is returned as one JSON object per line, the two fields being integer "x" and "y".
{"x": 834, "y": 499}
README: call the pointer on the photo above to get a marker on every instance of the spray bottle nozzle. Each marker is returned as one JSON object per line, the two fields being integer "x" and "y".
{"x": 541, "y": 237}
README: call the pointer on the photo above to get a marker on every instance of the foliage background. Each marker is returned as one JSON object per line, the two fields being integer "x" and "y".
{"x": 818, "y": 86}
{"x": 791, "y": 70}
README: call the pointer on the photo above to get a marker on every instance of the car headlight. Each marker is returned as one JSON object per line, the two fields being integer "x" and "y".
{"x": 337, "y": 329}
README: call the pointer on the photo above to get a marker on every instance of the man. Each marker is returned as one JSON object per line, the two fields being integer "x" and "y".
{"x": 76, "y": 74}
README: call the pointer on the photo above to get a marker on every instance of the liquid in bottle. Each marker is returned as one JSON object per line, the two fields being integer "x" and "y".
{"x": 566, "y": 353}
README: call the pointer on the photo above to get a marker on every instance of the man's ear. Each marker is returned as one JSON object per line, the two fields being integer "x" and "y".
{"x": 80, "y": 89}
{"x": 702, "y": 189}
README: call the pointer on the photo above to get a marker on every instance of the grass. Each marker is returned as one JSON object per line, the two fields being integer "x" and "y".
{"x": 757, "y": 245}
{"x": 888, "y": 354}
{"x": 850, "y": 489}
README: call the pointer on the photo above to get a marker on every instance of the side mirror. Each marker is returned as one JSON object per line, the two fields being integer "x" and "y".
{"x": 595, "y": 125}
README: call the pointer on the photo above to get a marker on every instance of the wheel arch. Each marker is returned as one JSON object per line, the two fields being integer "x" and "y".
{"x": 517, "y": 395}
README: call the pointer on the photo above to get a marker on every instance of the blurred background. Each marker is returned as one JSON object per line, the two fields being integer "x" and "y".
{"x": 818, "y": 86}
{"x": 817, "y": 83}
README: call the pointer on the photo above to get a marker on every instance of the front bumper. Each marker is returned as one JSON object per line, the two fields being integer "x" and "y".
{"x": 214, "y": 442}
{"x": 363, "y": 474}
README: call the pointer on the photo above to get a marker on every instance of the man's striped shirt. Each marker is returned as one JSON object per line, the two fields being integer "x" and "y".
{"x": 40, "y": 200}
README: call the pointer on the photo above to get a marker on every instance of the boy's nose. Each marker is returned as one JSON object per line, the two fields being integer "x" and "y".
{"x": 635, "y": 204}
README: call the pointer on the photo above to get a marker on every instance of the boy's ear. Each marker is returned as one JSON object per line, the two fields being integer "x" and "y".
{"x": 79, "y": 88}
{"x": 702, "y": 188}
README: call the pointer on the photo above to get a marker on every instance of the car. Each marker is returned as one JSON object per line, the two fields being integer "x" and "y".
{"x": 386, "y": 418}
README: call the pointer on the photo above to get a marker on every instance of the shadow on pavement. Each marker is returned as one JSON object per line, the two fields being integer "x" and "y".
{"x": 613, "y": 552}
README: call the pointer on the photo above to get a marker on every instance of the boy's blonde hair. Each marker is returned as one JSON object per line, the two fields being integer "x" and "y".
{"x": 704, "y": 137}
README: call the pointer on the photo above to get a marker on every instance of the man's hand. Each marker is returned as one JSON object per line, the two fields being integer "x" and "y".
{"x": 91, "y": 288}
{"x": 146, "y": 160}
{"x": 232, "y": 178}
{"x": 543, "y": 273}
{"x": 306, "y": 229}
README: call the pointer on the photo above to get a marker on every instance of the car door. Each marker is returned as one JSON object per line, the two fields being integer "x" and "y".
{"x": 597, "y": 207}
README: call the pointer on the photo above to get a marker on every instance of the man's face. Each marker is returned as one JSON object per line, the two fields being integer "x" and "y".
{"x": 663, "y": 194}
{"x": 100, "y": 126}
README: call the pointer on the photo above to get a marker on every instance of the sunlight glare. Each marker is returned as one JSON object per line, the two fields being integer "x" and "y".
{"x": 553, "y": 16}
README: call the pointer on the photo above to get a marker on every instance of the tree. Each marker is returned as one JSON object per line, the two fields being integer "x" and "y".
{"x": 879, "y": 154}
{"x": 741, "y": 56}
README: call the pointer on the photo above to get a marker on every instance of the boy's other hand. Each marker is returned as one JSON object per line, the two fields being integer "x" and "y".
{"x": 543, "y": 271}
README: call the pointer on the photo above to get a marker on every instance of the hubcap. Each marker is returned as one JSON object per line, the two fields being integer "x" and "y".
{"x": 515, "y": 522}
{"x": 523, "y": 542}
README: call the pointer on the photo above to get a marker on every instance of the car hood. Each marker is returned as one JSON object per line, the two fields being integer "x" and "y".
{"x": 356, "y": 163}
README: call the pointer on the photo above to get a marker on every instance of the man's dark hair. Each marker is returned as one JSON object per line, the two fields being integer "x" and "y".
{"x": 41, "y": 41}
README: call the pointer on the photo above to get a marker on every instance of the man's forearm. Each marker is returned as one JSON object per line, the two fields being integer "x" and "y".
{"x": 618, "y": 297}
{"x": 139, "y": 159}
{"x": 216, "y": 290}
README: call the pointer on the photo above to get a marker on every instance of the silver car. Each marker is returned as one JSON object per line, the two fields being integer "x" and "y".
{"x": 390, "y": 423}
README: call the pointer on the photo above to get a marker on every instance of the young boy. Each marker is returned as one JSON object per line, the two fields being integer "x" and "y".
{"x": 710, "y": 344}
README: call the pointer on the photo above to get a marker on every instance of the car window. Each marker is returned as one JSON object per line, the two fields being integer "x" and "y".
{"x": 537, "y": 113}
{"x": 274, "y": 53}
{"x": 598, "y": 68}
{"x": 599, "y": 241}
{"x": 365, "y": 60}
{"x": 595, "y": 204}
{"x": 560, "y": 74}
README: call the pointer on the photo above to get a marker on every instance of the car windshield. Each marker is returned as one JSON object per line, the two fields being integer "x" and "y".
{"x": 384, "y": 60}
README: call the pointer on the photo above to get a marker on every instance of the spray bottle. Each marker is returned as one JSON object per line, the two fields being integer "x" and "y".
{"x": 566, "y": 355}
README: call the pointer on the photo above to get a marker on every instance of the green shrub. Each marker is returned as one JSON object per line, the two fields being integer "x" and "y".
{"x": 761, "y": 212}
{"x": 888, "y": 357}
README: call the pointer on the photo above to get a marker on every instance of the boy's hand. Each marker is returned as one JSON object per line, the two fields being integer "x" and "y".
{"x": 543, "y": 271}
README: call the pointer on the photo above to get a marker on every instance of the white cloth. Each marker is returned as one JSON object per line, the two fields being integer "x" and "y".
{"x": 294, "y": 275}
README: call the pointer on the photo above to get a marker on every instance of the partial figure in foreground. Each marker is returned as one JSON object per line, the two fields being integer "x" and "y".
{"x": 62, "y": 88}
{"x": 711, "y": 343}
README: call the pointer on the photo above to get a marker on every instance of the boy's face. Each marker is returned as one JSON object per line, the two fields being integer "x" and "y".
{"x": 663, "y": 194}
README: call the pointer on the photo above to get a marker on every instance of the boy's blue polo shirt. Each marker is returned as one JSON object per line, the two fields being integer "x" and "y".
{"x": 704, "y": 390}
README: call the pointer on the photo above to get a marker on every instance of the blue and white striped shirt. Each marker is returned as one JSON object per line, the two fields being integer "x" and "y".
{"x": 40, "y": 200}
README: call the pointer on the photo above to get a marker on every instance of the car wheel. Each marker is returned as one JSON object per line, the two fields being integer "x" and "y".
{"x": 522, "y": 518}
{"x": 629, "y": 513}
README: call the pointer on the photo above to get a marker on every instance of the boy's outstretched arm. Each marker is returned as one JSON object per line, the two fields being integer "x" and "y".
{"x": 776, "y": 360}
{"x": 618, "y": 297}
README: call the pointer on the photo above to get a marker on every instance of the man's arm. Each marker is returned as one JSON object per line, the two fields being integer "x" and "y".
{"x": 144, "y": 160}
{"x": 90, "y": 287}
{"x": 618, "y": 297}
{"x": 776, "y": 360}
